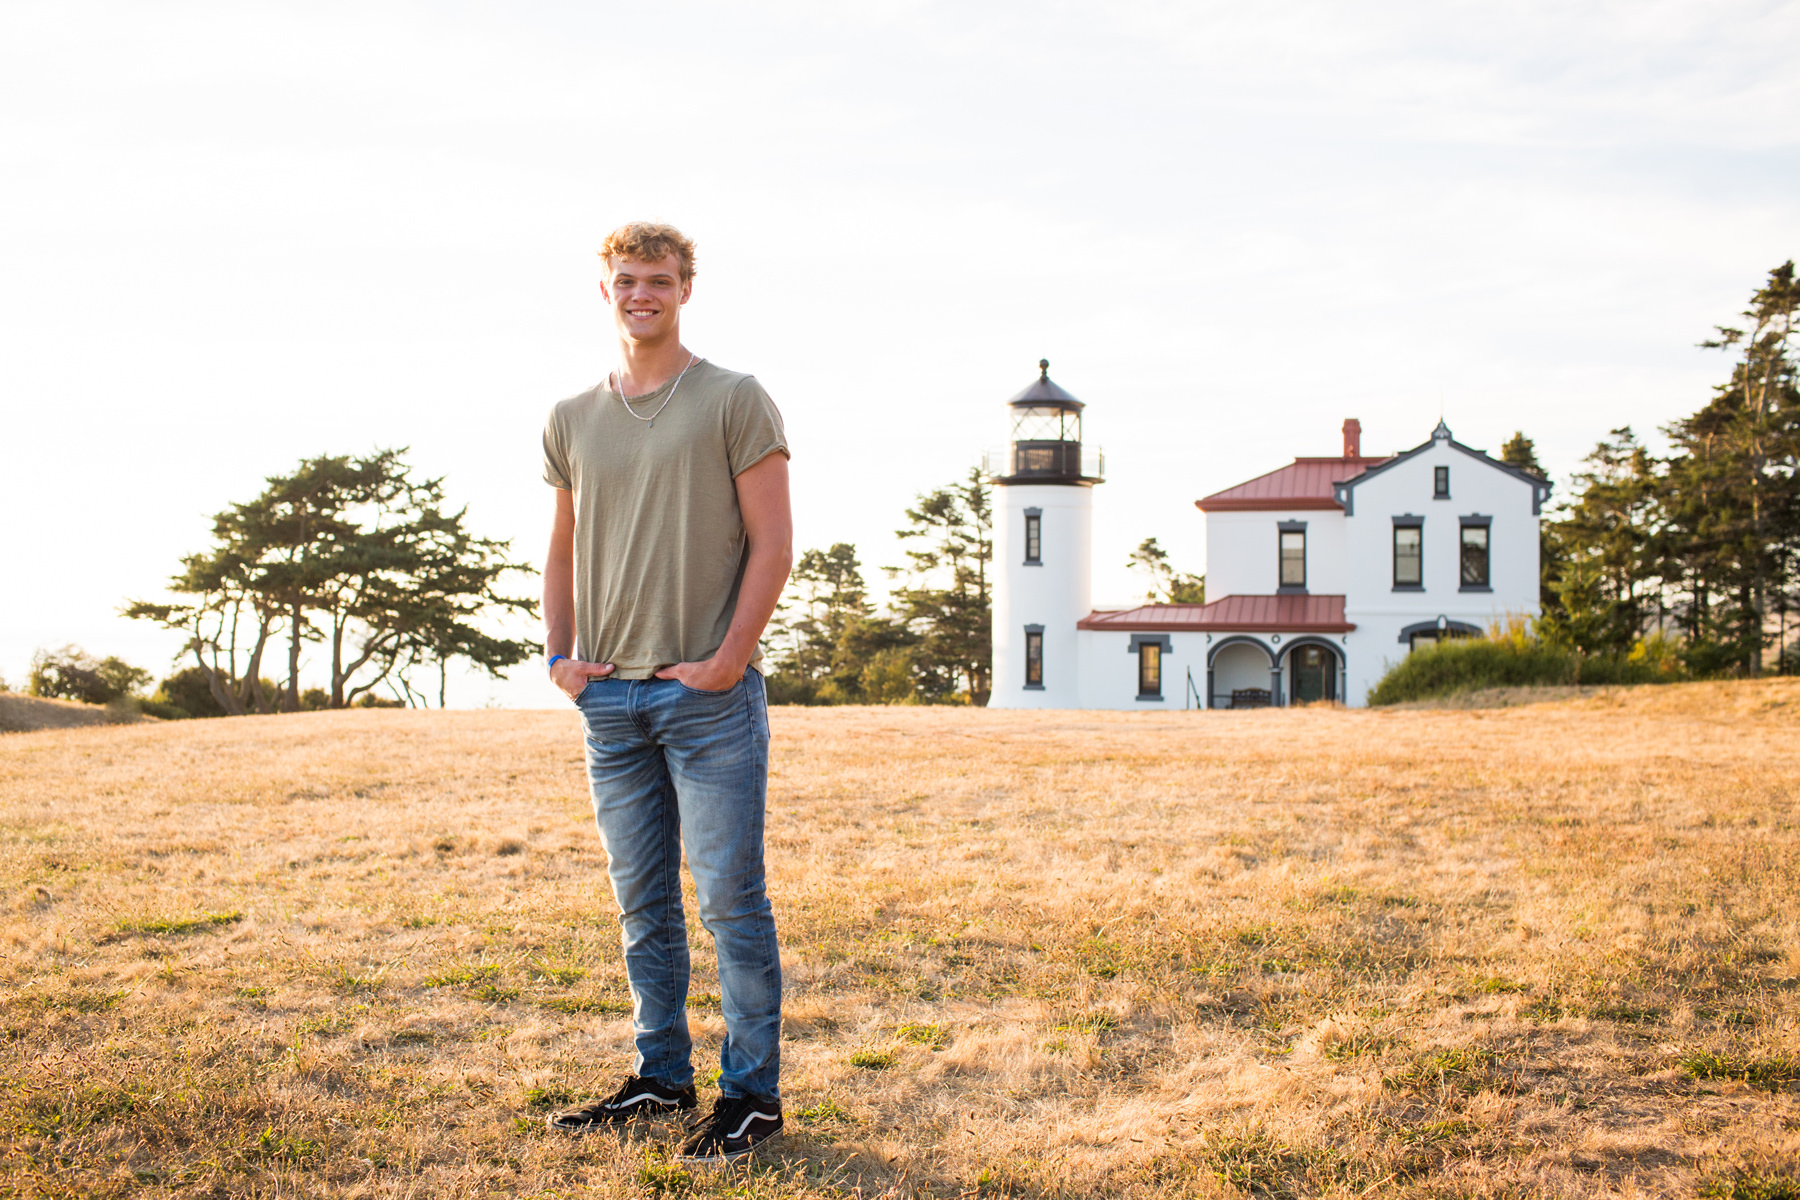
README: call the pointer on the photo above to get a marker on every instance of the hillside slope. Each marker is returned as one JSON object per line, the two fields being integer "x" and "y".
{"x": 23, "y": 714}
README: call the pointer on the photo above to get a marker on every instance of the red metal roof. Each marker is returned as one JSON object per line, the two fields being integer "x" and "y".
{"x": 1304, "y": 483}
{"x": 1232, "y": 614}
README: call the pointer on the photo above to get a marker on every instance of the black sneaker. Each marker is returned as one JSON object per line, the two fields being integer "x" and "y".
{"x": 638, "y": 1097}
{"x": 737, "y": 1124}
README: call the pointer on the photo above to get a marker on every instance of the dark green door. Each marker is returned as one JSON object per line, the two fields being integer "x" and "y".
{"x": 1315, "y": 674}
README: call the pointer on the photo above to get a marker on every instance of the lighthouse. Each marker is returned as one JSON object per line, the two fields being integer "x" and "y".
{"x": 1043, "y": 548}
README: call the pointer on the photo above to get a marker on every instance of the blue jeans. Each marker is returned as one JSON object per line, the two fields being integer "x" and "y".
{"x": 668, "y": 765}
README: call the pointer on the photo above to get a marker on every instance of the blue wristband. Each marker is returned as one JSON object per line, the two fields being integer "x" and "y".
{"x": 552, "y": 662}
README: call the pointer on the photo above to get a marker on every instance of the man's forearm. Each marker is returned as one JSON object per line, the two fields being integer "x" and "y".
{"x": 559, "y": 608}
{"x": 559, "y": 580}
{"x": 764, "y": 576}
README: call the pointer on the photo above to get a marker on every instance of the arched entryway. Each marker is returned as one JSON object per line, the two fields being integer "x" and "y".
{"x": 1314, "y": 671}
{"x": 1240, "y": 674}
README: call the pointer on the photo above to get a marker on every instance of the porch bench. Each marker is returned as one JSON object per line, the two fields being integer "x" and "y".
{"x": 1250, "y": 698}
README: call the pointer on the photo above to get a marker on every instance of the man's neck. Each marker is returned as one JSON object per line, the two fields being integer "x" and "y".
{"x": 649, "y": 365}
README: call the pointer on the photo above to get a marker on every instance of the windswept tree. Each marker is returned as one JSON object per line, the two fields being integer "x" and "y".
{"x": 947, "y": 599}
{"x": 351, "y": 552}
{"x": 1166, "y": 584}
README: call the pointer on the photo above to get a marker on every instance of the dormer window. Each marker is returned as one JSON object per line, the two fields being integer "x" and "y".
{"x": 1440, "y": 483}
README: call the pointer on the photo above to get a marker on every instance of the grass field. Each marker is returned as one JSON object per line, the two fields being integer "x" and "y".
{"x": 1545, "y": 950}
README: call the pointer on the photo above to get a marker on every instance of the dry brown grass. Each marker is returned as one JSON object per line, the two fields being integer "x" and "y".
{"x": 20, "y": 714}
{"x": 1535, "y": 951}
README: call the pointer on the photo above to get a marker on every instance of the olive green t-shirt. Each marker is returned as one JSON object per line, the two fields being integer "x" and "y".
{"x": 660, "y": 547}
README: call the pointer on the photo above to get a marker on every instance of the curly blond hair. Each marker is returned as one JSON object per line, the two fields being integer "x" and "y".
{"x": 648, "y": 241}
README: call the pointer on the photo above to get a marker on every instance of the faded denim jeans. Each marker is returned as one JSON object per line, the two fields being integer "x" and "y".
{"x": 670, "y": 765}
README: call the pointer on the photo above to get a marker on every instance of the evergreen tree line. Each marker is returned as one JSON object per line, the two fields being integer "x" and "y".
{"x": 1699, "y": 548}
{"x": 932, "y": 644}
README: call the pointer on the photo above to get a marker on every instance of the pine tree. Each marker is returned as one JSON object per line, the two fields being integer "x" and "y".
{"x": 948, "y": 602}
{"x": 1735, "y": 477}
{"x": 1167, "y": 585}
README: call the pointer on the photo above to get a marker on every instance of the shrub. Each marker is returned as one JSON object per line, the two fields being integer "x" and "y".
{"x": 791, "y": 689}
{"x": 73, "y": 674}
{"x": 187, "y": 692}
{"x": 371, "y": 700}
{"x": 157, "y": 707}
{"x": 1513, "y": 655}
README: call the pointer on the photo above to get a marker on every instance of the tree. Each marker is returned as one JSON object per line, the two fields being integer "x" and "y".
{"x": 948, "y": 600}
{"x": 1167, "y": 585}
{"x": 1604, "y": 549}
{"x": 353, "y": 552}
{"x": 825, "y": 593}
{"x": 73, "y": 674}
{"x": 1520, "y": 451}
{"x": 1736, "y": 472}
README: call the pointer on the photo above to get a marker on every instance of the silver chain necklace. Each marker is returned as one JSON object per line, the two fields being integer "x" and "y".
{"x": 649, "y": 421}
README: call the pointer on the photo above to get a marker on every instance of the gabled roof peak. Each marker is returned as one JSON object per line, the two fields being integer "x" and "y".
{"x": 1441, "y": 433}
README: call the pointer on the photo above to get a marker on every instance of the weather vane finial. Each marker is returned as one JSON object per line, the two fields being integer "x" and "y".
{"x": 1043, "y": 368}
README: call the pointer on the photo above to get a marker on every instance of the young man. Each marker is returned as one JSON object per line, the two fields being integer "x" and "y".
{"x": 670, "y": 546}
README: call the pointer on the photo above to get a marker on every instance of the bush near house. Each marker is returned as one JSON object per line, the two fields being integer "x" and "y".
{"x": 1517, "y": 655}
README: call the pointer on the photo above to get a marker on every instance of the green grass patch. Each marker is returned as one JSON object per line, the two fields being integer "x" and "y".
{"x": 86, "y": 1000}
{"x": 463, "y": 977}
{"x": 1360, "y": 1046}
{"x": 560, "y": 976}
{"x": 825, "y": 1112}
{"x": 543, "y": 1099}
{"x": 872, "y": 1060}
{"x": 1465, "y": 1068}
{"x": 1255, "y": 1162}
{"x": 578, "y": 1005}
{"x": 1770, "y": 1074}
{"x": 177, "y": 926}
{"x": 282, "y": 1147}
{"x": 934, "y": 1036}
{"x": 1750, "y": 1185}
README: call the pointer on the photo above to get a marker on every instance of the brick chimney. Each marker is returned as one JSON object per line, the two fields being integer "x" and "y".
{"x": 1352, "y": 438}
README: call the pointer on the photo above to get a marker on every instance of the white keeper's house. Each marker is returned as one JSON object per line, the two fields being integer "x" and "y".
{"x": 1319, "y": 574}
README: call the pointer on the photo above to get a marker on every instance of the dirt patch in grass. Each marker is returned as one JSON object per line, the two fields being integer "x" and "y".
{"x": 1543, "y": 950}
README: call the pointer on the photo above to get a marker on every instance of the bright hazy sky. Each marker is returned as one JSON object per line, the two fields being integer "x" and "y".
{"x": 236, "y": 234}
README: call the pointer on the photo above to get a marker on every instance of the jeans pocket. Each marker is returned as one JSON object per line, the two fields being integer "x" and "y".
{"x": 694, "y": 691}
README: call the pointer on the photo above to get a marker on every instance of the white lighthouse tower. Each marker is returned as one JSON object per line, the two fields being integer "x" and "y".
{"x": 1043, "y": 548}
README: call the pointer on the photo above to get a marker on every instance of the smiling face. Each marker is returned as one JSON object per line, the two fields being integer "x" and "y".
{"x": 646, "y": 297}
